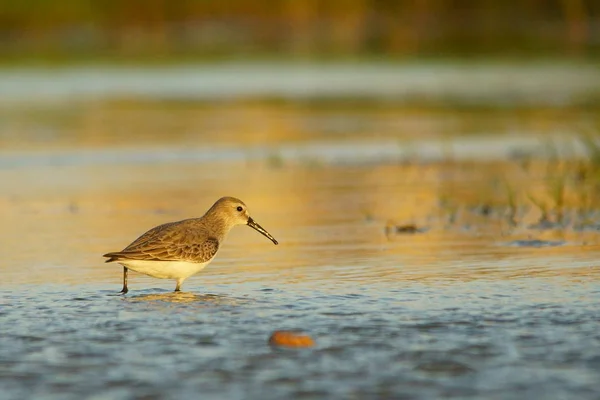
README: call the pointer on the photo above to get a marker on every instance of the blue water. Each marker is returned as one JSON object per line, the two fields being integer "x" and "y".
{"x": 488, "y": 340}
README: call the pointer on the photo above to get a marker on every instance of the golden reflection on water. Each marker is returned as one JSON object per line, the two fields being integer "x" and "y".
{"x": 329, "y": 220}
{"x": 101, "y": 124}
{"x": 185, "y": 297}
{"x": 60, "y": 216}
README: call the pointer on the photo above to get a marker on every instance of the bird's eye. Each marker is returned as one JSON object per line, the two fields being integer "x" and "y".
{"x": 239, "y": 208}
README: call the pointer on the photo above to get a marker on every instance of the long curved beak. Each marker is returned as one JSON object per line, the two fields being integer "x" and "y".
{"x": 260, "y": 229}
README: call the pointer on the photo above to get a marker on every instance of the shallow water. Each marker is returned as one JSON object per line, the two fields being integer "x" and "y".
{"x": 486, "y": 339}
{"x": 446, "y": 312}
{"x": 469, "y": 305}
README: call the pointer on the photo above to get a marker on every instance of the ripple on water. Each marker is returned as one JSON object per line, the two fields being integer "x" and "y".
{"x": 185, "y": 298}
{"x": 458, "y": 340}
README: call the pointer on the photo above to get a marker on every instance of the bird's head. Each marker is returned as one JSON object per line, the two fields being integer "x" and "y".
{"x": 234, "y": 212}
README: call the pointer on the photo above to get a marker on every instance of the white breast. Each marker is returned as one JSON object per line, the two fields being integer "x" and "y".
{"x": 165, "y": 269}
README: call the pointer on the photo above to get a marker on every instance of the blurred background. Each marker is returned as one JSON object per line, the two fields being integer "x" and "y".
{"x": 101, "y": 101}
{"x": 409, "y": 69}
{"x": 160, "y": 92}
{"x": 162, "y": 30}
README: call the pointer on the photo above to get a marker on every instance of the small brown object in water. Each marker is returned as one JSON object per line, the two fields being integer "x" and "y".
{"x": 407, "y": 228}
{"x": 290, "y": 339}
{"x": 392, "y": 229}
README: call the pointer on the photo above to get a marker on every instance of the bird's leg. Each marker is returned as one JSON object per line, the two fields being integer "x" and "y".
{"x": 178, "y": 286}
{"x": 124, "y": 290}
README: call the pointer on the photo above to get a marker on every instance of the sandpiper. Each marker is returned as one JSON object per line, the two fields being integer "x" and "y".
{"x": 178, "y": 250}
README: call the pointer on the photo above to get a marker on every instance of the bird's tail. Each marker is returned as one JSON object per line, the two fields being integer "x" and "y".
{"x": 111, "y": 257}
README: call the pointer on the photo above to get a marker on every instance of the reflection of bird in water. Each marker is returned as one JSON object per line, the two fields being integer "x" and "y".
{"x": 185, "y": 297}
{"x": 178, "y": 250}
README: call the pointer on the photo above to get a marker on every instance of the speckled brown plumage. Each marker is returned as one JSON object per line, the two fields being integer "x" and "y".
{"x": 187, "y": 240}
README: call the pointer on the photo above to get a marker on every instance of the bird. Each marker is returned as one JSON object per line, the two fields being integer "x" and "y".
{"x": 178, "y": 250}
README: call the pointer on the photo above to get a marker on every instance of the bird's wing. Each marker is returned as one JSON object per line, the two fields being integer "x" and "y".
{"x": 154, "y": 234}
{"x": 175, "y": 241}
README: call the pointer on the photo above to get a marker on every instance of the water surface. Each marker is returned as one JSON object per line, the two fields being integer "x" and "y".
{"x": 486, "y": 297}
